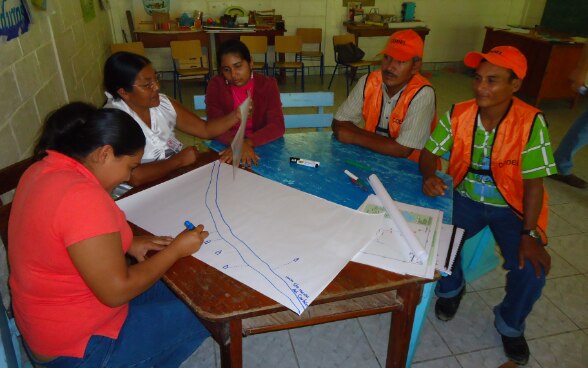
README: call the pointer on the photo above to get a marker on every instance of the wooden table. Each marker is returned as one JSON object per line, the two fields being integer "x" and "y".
{"x": 363, "y": 30}
{"x": 550, "y": 59}
{"x": 231, "y": 310}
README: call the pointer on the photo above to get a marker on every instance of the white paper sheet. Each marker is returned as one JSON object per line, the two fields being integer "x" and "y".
{"x": 237, "y": 143}
{"x": 282, "y": 242}
{"x": 389, "y": 251}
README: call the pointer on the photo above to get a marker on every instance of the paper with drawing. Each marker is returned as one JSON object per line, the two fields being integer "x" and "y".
{"x": 390, "y": 250}
{"x": 282, "y": 242}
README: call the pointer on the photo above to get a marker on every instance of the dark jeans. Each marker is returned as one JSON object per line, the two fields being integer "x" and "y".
{"x": 160, "y": 331}
{"x": 523, "y": 288}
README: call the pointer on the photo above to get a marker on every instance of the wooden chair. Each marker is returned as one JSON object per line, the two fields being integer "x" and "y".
{"x": 312, "y": 37}
{"x": 289, "y": 45}
{"x": 134, "y": 47}
{"x": 188, "y": 63}
{"x": 318, "y": 100}
{"x": 9, "y": 343}
{"x": 341, "y": 40}
{"x": 257, "y": 45}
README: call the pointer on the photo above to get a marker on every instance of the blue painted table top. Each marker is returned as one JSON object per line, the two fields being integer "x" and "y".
{"x": 401, "y": 177}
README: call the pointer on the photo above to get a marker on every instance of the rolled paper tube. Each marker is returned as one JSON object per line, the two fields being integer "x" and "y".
{"x": 397, "y": 217}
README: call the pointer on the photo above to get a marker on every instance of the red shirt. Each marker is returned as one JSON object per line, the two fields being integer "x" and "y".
{"x": 59, "y": 202}
{"x": 268, "y": 118}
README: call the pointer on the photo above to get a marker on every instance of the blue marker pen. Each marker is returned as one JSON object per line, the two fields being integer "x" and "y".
{"x": 189, "y": 225}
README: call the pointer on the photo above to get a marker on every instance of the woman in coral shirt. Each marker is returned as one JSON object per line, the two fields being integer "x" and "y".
{"x": 76, "y": 300}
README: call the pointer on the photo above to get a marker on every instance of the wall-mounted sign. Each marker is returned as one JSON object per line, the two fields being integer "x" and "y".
{"x": 363, "y": 2}
{"x": 14, "y": 19}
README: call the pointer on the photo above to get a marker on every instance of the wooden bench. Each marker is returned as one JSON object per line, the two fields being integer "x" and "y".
{"x": 318, "y": 100}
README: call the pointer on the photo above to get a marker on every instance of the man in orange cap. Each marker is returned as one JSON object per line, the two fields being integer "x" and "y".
{"x": 396, "y": 103}
{"x": 500, "y": 153}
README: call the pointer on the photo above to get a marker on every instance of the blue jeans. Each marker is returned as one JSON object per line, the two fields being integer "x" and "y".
{"x": 160, "y": 331}
{"x": 523, "y": 288}
{"x": 575, "y": 138}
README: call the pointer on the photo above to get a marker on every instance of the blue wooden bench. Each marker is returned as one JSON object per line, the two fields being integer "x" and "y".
{"x": 318, "y": 100}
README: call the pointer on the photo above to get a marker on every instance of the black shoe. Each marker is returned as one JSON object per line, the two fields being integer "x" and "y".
{"x": 445, "y": 308}
{"x": 516, "y": 349}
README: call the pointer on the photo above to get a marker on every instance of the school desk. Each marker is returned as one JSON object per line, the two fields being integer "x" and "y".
{"x": 231, "y": 310}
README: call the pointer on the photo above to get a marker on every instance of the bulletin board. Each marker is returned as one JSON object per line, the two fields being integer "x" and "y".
{"x": 568, "y": 16}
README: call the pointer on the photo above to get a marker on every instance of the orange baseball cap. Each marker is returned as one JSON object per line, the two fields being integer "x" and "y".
{"x": 404, "y": 45}
{"x": 504, "y": 56}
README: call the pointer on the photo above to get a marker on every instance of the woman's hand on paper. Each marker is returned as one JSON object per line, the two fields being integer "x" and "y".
{"x": 143, "y": 244}
{"x": 434, "y": 186}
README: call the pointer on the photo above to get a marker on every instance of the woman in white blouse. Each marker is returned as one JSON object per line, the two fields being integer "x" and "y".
{"x": 132, "y": 85}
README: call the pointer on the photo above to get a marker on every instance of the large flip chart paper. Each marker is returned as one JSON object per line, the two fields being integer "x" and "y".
{"x": 282, "y": 242}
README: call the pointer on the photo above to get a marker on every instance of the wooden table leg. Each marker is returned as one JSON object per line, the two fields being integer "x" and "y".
{"x": 231, "y": 349}
{"x": 401, "y": 329}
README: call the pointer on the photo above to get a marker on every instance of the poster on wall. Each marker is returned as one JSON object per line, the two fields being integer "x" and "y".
{"x": 88, "y": 11}
{"x": 41, "y": 4}
{"x": 14, "y": 19}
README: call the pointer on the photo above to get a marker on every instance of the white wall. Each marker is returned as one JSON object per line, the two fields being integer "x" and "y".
{"x": 457, "y": 26}
{"x": 59, "y": 59}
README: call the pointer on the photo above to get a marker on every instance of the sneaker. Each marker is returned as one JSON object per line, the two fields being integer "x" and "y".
{"x": 516, "y": 349}
{"x": 445, "y": 308}
{"x": 571, "y": 179}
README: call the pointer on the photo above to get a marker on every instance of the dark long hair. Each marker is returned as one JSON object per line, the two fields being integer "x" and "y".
{"x": 78, "y": 128}
{"x": 232, "y": 46}
{"x": 120, "y": 71}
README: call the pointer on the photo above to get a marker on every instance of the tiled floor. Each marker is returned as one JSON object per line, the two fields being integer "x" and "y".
{"x": 557, "y": 329}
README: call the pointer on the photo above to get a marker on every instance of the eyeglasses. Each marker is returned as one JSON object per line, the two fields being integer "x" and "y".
{"x": 150, "y": 85}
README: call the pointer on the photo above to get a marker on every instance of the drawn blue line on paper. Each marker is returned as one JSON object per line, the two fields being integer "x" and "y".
{"x": 300, "y": 298}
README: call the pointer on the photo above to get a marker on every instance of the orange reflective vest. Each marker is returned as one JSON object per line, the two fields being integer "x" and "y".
{"x": 512, "y": 134}
{"x": 372, "y": 105}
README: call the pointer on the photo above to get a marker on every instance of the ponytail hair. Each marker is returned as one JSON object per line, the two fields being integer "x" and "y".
{"x": 78, "y": 128}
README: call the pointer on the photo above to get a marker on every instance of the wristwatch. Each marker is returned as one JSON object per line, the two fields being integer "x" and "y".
{"x": 532, "y": 233}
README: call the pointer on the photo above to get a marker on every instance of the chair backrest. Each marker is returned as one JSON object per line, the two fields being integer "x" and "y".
{"x": 288, "y": 44}
{"x": 255, "y": 44}
{"x": 9, "y": 176}
{"x": 188, "y": 49}
{"x": 134, "y": 47}
{"x": 311, "y": 36}
{"x": 9, "y": 343}
{"x": 343, "y": 39}
{"x": 187, "y": 54}
{"x": 318, "y": 120}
